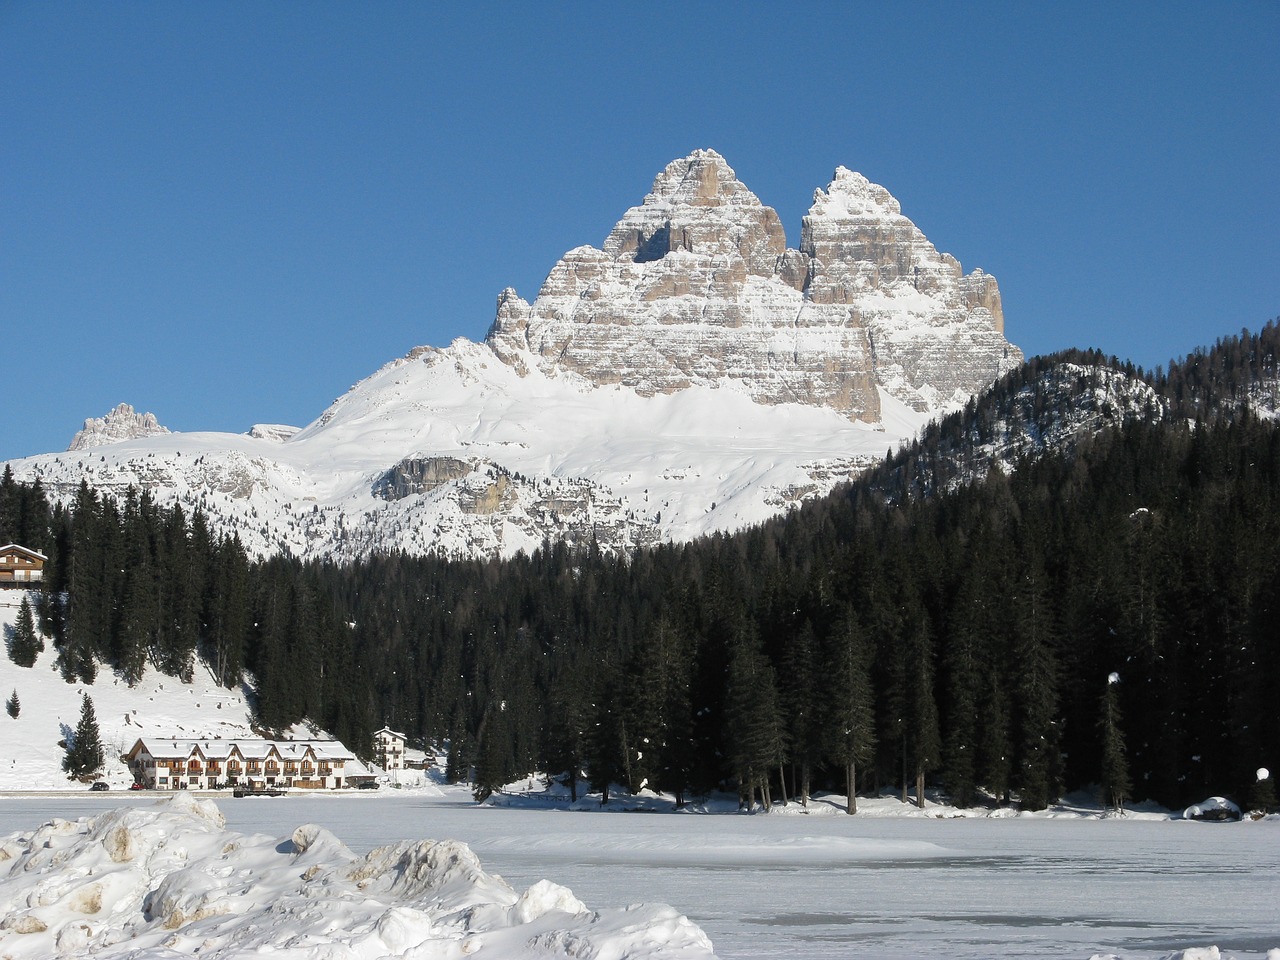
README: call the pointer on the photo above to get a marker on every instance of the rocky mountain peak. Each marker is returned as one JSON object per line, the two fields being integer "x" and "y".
{"x": 851, "y": 194}
{"x": 698, "y": 205}
{"x": 702, "y": 179}
{"x": 696, "y": 286}
{"x": 122, "y": 423}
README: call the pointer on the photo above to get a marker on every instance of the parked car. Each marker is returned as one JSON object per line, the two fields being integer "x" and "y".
{"x": 99, "y": 785}
{"x": 136, "y": 786}
{"x": 367, "y": 785}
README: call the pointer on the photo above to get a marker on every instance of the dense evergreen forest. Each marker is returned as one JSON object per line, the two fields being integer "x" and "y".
{"x": 1100, "y": 611}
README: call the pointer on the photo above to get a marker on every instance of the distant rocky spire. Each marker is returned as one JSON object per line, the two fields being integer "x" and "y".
{"x": 122, "y": 423}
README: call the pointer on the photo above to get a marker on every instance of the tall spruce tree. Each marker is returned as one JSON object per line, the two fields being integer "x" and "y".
{"x": 226, "y": 610}
{"x": 13, "y": 706}
{"x": 754, "y": 718}
{"x": 849, "y": 717}
{"x": 963, "y": 672}
{"x": 925, "y": 737}
{"x": 1115, "y": 766}
{"x": 84, "y": 753}
{"x": 86, "y": 635}
{"x": 606, "y": 740}
{"x": 1036, "y": 686}
{"x": 494, "y": 760}
{"x": 798, "y": 688}
{"x": 25, "y": 645}
{"x": 995, "y": 755}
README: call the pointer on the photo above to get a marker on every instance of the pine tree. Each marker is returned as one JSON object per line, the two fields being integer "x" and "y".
{"x": 1115, "y": 767}
{"x": 13, "y": 706}
{"x": 995, "y": 762}
{"x": 25, "y": 645}
{"x": 676, "y": 758}
{"x": 606, "y": 745}
{"x": 963, "y": 673}
{"x": 798, "y": 688}
{"x": 8, "y": 511}
{"x": 89, "y": 595}
{"x": 226, "y": 610}
{"x": 850, "y": 715}
{"x": 756, "y": 740}
{"x": 494, "y": 763}
{"x": 1036, "y": 683}
{"x": 568, "y": 725}
{"x": 84, "y": 753}
{"x": 925, "y": 738}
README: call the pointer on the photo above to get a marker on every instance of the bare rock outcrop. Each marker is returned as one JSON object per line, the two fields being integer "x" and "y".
{"x": 122, "y": 423}
{"x": 696, "y": 286}
{"x": 936, "y": 335}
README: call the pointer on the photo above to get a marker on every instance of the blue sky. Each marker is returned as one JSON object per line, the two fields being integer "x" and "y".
{"x": 229, "y": 213}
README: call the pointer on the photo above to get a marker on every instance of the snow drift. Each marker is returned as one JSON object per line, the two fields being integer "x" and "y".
{"x": 170, "y": 879}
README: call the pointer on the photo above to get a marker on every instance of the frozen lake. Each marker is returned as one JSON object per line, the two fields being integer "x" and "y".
{"x": 835, "y": 886}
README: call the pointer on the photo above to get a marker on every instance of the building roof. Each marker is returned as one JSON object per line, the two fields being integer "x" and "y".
{"x": 19, "y": 548}
{"x": 399, "y": 736}
{"x": 249, "y": 749}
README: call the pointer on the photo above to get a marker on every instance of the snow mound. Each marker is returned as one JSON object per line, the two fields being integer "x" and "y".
{"x": 170, "y": 879}
{"x": 1215, "y": 808}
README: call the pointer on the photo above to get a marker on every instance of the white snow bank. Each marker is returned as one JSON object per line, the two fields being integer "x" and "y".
{"x": 170, "y": 879}
{"x": 1215, "y": 808}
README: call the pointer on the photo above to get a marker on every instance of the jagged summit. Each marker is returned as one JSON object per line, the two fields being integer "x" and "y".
{"x": 699, "y": 205}
{"x": 122, "y": 423}
{"x": 692, "y": 374}
{"x": 851, "y": 194}
{"x": 696, "y": 285}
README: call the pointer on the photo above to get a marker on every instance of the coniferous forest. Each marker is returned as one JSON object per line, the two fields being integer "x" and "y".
{"x": 1102, "y": 612}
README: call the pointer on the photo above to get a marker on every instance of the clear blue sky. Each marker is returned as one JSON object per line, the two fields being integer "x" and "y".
{"x": 228, "y": 213}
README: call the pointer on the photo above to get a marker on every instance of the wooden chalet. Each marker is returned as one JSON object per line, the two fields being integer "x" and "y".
{"x": 20, "y": 566}
{"x": 164, "y": 764}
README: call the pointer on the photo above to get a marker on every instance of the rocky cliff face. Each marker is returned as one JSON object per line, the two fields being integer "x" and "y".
{"x": 122, "y": 423}
{"x": 696, "y": 286}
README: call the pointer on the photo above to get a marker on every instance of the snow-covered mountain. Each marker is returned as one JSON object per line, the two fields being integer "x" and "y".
{"x": 694, "y": 374}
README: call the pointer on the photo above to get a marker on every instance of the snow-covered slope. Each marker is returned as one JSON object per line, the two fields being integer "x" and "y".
{"x": 452, "y": 451}
{"x": 49, "y": 708}
{"x": 692, "y": 376}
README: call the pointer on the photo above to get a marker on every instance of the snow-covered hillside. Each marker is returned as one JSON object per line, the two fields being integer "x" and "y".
{"x": 452, "y": 451}
{"x": 49, "y": 707}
